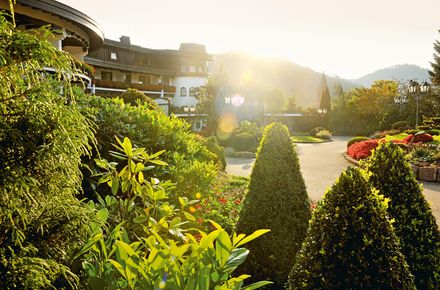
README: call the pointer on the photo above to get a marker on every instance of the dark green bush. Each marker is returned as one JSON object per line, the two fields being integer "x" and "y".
{"x": 415, "y": 225}
{"x": 350, "y": 243}
{"x": 356, "y": 139}
{"x": 400, "y": 125}
{"x": 433, "y": 132}
{"x": 411, "y": 131}
{"x": 276, "y": 200}
{"x": 213, "y": 146}
{"x": 191, "y": 164}
{"x": 243, "y": 142}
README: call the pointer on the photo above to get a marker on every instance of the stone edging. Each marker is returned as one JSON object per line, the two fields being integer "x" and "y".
{"x": 425, "y": 173}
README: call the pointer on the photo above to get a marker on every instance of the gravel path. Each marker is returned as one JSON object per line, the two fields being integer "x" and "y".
{"x": 321, "y": 164}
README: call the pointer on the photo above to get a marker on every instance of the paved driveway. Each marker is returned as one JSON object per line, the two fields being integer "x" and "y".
{"x": 321, "y": 164}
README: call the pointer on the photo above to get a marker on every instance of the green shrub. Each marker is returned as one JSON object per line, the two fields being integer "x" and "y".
{"x": 400, "y": 125}
{"x": 276, "y": 200}
{"x": 191, "y": 164}
{"x": 324, "y": 134}
{"x": 350, "y": 243}
{"x": 42, "y": 137}
{"x": 212, "y": 145}
{"x": 316, "y": 130}
{"x": 414, "y": 223}
{"x": 134, "y": 97}
{"x": 411, "y": 131}
{"x": 243, "y": 142}
{"x": 433, "y": 132}
{"x": 356, "y": 139}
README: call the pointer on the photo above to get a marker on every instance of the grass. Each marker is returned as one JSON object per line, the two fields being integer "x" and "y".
{"x": 403, "y": 135}
{"x": 307, "y": 139}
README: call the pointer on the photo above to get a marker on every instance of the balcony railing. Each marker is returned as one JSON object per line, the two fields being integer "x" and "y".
{"x": 124, "y": 85}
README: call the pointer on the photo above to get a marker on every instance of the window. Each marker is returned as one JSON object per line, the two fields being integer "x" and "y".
{"x": 127, "y": 78}
{"x": 106, "y": 76}
{"x": 183, "y": 92}
{"x": 165, "y": 81}
{"x": 184, "y": 68}
{"x": 192, "y": 92}
{"x": 145, "y": 80}
{"x": 113, "y": 56}
{"x": 192, "y": 68}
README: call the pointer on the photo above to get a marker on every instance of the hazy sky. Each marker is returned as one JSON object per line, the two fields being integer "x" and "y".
{"x": 348, "y": 38}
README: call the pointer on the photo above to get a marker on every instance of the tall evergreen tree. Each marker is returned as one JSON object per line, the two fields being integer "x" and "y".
{"x": 435, "y": 72}
{"x": 325, "y": 102}
{"x": 415, "y": 225}
{"x": 276, "y": 200}
{"x": 350, "y": 243}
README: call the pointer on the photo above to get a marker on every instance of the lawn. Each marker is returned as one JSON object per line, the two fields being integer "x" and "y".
{"x": 307, "y": 139}
{"x": 403, "y": 135}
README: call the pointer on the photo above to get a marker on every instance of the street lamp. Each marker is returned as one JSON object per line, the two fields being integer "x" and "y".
{"x": 414, "y": 88}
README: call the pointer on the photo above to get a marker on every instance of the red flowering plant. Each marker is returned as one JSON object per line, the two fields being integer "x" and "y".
{"x": 223, "y": 204}
{"x": 423, "y": 137}
{"x": 362, "y": 149}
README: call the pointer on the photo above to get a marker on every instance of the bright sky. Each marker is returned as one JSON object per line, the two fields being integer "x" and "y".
{"x": 348, "y": 38}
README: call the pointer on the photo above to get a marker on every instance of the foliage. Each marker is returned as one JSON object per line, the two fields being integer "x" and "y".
{"x": 423, "y": 154}
{"x": 277, "y": 200}
{"x": 243, "y": 142}
{"x": 414, "y": 223}
{"x": 141, "y": 239}
{"x": 325, "y": 102}
{"x": 224, "y": 205}
{"x": 324, "y": 134}
{"x": 435, "y": 72}
{"x": 213, "y": 146}
{"x": 400, "y": 125}
{"x": 356, "y": 139}
{"x": 316, "y": 130}
{"x": 133, "y": 96}
{"x": 42, "y": 136}
{"x": 362, "y": 149}
{"x": 191, "y": 164}
{"x": 419, "y": 137}
{"x": 350, "y": 243}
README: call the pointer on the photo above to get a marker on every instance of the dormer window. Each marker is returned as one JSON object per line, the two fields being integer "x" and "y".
{"x": 113, "y": 56}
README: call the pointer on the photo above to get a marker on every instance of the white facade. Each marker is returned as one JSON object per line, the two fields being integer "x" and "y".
{"x": 184, "y": 85}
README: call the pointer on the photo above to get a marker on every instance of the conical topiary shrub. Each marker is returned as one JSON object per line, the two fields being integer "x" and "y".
{"x": 350, "y": 243}
{"x": 415, "y": 225}
{"x": 276, "y": 200}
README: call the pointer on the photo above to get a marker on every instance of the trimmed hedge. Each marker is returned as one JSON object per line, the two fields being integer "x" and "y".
{"x": 350, "y": 243}
{"x": 400, "y": 125}
{"x": 414, "y": 223}
{"x": 276, "y": 200}
{"x": 356, "y": 139}
{"x": 243, "y": 142}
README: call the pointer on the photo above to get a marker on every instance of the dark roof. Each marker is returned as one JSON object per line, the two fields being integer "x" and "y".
{"x": 68, "y": 13}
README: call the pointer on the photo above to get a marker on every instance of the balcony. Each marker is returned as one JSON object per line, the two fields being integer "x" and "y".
{"x": 141, "y": 87}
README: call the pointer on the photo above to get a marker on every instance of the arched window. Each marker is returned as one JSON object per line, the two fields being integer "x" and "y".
{"x": 192, "y": 92}
{"x": 183, "y": 92}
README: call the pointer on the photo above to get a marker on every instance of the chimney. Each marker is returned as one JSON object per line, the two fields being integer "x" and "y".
{"x": 125, "y": 40}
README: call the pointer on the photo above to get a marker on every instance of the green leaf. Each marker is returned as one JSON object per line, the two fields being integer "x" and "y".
{"x": 251, "y": 237}
{"x": 141, "y": 219}
{"x": 223, "y": 247}
{"x": 257, "y": 285}
{"x": 128, "y": 148}
{"x": 115, "y": 185}
{"x": 236, "y": 258}
{"x": 158, "y": 162}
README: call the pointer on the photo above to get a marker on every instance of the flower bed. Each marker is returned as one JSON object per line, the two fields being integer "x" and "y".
{"x": 362, "y": 149}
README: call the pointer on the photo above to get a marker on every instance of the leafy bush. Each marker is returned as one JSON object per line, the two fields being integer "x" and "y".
{"x": 134, "y": 97}
{"x": 191, "y": 164}
{"x": 276, "y": 200}
{"x": 356, "y": 139}
{"x": 433, "y": 132}
{"x": 412, "y": 131}
{"x": 383, "y": 134}
{"x": 140, "y": 239}
{"x": 315, "y": 130}
{"x": 324, "y": 134}
{"x": 422, "y": 154}
{"x": 212, "y": 145}
{"x": 350, "y": 243}
{"x": 243, "y": 142}
{"x": 361, "y": 149}
{"x": 419, "y": 137}
{"x": 400, "y": 125}
{"x": 414, "y": 223}
{"x": 42, "y": 137}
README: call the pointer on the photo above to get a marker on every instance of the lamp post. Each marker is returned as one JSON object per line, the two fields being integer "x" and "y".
{"x": 414, "y": 88}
